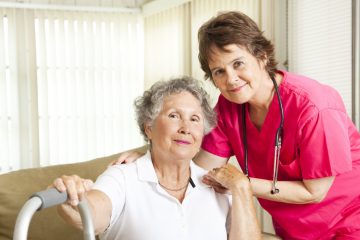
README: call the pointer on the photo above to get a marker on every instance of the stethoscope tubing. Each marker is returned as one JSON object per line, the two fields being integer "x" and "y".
{"x": 278, "y": 140}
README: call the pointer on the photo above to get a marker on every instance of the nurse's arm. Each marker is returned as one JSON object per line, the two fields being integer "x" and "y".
{"x": 296, "y": 192}
{"x": 208, "y": 160}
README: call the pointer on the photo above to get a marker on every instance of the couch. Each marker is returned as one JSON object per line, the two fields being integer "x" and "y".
{"x": 16, "y": 187}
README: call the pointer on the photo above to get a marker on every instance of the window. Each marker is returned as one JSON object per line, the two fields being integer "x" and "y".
{"x": 320, "y": 35}
{"x": 75, "y": 102}
{"x": 9, "y": 156}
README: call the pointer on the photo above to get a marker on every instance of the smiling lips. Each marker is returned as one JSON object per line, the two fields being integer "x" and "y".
{"x": 182, "y": 141}
{"x": 237, "y": 89}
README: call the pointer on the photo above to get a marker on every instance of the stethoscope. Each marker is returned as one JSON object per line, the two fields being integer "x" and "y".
{"x": 278, "y": 138}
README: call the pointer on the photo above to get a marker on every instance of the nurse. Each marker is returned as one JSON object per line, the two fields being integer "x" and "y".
{"x": 310, "y": 186}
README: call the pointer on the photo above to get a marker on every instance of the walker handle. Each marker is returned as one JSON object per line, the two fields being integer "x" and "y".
{"x": 45, "y": 199}
{"x": 50, "y": 197}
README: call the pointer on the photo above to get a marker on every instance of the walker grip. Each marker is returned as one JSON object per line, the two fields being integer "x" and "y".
{"x": 50, "y": 197}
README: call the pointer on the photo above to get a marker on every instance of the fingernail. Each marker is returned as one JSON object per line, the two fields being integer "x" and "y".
{"x": 74, "y": 202}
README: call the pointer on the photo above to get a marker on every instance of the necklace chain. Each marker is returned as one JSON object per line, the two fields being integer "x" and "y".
{"x": 176, "y": 189}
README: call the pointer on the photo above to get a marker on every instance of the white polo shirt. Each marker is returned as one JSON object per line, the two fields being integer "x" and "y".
{"x": 143, "y": 210}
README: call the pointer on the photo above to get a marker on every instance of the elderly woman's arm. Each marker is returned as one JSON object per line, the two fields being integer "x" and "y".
{"x": 244, "y": 224}
{"x": 78, "y": 189}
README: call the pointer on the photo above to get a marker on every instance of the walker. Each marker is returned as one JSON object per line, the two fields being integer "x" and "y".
{"x": 45, "y": 199}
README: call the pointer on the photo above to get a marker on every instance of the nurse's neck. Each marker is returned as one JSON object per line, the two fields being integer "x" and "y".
{"x": 259, "y": 105}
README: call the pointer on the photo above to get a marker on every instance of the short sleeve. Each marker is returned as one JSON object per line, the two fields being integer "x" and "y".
{"x": 112, "y": 183}
{"x": 324, "y": 148}
{"x": 217, "y": 141}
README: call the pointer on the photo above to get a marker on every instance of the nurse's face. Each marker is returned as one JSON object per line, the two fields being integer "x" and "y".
{"x": 237, "y": 73}
{"x": 177, "y": 132}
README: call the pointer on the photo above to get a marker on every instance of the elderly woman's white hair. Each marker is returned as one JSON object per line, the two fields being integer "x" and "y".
{"x": 150, "y": 103}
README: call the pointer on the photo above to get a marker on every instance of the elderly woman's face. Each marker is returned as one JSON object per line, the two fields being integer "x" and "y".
{"x": 178, "y": 130}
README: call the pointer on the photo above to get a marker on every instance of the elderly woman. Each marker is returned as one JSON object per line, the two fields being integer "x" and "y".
{"x": 161, "y": 196}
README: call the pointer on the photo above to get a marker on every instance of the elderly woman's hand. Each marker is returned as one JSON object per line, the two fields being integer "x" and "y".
{"x": 226, "y": 178}
{"x": 75, "y": 187}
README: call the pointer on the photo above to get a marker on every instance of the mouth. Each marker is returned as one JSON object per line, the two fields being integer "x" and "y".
{"x": 182, "y": 142}
{"x": 237, "y": 89}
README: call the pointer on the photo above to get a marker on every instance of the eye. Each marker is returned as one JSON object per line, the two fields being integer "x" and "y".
{"x": 218, "y": 72}
{"x": 238, "y": 64}
{"x": 174, "y": 115}
{"x": 195, "y": 118}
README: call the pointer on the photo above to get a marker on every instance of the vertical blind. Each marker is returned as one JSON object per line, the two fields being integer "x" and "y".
{"x": 89, "y": 70}
{"x": 9, "y": 117}
{"x": 320, "y": 43}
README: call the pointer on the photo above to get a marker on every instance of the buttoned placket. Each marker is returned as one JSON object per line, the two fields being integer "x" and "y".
{"x": 181, "y": 217}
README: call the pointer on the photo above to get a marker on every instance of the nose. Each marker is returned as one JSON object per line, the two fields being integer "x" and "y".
{"x": 232, "y": 77}
{"x": 184, "y": 128}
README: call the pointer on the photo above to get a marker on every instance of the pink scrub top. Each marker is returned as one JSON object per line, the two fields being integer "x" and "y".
{"x": 319, "y": 141}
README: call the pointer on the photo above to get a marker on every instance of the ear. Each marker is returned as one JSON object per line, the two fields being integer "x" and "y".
{"x": 148, "y": 130}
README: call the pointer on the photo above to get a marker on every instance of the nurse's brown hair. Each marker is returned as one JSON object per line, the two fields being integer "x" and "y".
{"x": 234, "y": 28}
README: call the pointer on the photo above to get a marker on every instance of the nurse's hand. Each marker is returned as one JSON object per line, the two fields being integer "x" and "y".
{"x": 75, "y": 187}
{"x": 127, "y": 157}
{"x": 131, "y": 155}
{"x": 227, "y": 178}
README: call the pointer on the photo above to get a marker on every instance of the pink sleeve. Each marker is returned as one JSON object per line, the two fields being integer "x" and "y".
{"x": 324, "y": 145}
{"x": 217, "y": 142}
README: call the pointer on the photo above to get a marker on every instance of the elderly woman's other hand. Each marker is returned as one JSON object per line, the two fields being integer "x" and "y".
{"x": 75, "y": 187}
{"x": 226, "y": 178}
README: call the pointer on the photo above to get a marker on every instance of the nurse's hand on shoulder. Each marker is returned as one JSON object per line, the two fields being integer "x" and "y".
{"x": 226, "y": 178}
{"x": 127, "y": 157}
{"x": 75, "y": 187}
